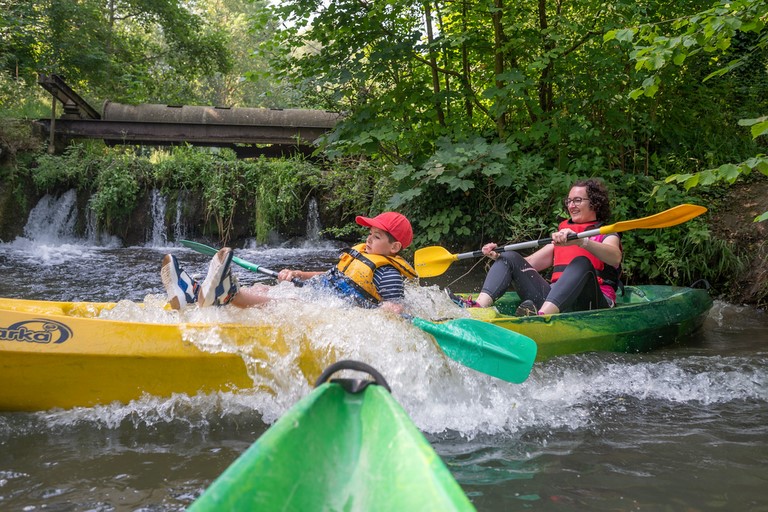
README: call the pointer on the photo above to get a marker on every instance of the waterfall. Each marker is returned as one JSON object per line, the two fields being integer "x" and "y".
{"x": 158, "y": 237}
{"x": 179, "y": 227}
{"x": 313, "y": 221}
{"x": 91, "y": 224}
{"x": 92, "y": 232}
{"x": 53, "y": 219}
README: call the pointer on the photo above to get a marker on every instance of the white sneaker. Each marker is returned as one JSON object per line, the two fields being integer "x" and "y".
{"x": 219, "y": 286}
{"x": 181, "y": 288}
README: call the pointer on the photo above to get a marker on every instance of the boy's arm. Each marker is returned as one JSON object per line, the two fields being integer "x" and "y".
{"x": 288, "y": 275}
{"x": 395, "y": 307}
{"x": 389, "y": 283}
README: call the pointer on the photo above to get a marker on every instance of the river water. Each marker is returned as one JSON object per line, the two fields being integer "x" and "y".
{"x": 679, "y": 429}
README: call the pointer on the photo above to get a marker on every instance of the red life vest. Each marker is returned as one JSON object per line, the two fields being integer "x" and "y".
{"x": 607, "y": 276}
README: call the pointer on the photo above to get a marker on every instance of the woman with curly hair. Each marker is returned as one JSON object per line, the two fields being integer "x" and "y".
{"x": 585, "y": 272}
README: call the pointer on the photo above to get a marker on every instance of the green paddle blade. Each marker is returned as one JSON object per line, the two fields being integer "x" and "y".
{"x": 484, "y": 347}
{"x": 201, "y": 248}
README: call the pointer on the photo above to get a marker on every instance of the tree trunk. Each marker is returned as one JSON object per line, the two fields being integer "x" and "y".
{"x": 498, "y": 66}
{"x": 433, "y": 64}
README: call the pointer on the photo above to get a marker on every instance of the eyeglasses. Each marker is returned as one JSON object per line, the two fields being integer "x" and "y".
{"x": 576, "y": 201}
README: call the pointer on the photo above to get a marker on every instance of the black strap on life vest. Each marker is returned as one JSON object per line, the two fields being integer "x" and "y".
{"x": 358, "y": 256}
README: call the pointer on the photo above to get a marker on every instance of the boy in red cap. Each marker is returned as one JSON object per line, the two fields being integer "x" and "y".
{"x": 370, "y": 274}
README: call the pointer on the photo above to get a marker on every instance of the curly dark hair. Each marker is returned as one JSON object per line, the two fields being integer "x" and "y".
{"x": 598, "y": 197}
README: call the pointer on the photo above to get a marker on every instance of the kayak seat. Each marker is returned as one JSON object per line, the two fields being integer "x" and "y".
{"x": 632, "y": 295}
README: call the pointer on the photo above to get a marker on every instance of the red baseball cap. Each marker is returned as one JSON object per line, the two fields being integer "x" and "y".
{"x": 393, "y": 223}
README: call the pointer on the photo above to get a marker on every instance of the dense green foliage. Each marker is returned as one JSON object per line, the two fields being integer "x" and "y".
{"x": 472, "y": 117}
{"x": 735, "y": 36}
{"x": 135, "y": 51}
{"x": 496, "y": 108}
{"x": 433, "y": 85}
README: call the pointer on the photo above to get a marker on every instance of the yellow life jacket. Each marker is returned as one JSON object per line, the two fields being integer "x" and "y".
{"x": 358, "y": 267}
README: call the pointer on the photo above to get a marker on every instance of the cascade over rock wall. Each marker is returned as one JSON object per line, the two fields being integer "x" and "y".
{"x": 136, "y": 229}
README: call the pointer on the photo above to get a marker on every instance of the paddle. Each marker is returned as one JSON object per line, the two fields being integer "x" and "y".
{"x": 210, "y": 251}
{"x": 482, "y": 346}
{"x": 433, "y": 261}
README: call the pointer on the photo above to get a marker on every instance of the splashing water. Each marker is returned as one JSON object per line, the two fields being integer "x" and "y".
{"x": 311, "y": 330}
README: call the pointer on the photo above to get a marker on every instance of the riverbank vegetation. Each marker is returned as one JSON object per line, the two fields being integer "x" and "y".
{"x": 472, "y": 118}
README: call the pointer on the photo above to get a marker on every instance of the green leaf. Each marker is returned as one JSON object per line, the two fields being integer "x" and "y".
{"x": 729, "y": 172}
{"x": 625, "y": 35}
{"x": 691, "y": 182}
{"x": 610, "y": 35}
{"x": 751, "y": 122}
{"x": 706, "y": 178}
{"x": 678, "y": 178}
{"x": 759, "y": 129}
{"x": 657, "y": 62}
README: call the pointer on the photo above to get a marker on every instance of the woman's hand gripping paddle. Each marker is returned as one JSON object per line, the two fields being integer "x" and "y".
{"x": 433, "y": 261}
{"x": 482, "y": 346}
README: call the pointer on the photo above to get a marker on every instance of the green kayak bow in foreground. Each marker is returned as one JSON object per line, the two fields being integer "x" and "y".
{"x": 345, "y": 446}
{"x": 479, "y": 345}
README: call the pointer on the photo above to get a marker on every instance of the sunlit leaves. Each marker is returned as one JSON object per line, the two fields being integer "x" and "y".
{"x": 712, "y": 30}
{"x": 625, "y": 35}
{"x": 727, "y": 173}
{"x": 759, "y": 126}
{"x": 124, "y": 50}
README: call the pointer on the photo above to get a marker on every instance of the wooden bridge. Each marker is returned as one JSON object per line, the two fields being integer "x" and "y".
{"x": 250, "y": 132}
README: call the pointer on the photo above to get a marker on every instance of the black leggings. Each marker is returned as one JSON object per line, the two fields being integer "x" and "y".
{"x": 576, "y": 290}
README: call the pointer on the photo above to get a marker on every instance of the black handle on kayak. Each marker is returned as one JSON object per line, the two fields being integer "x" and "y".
{"x": 353, "y": 385}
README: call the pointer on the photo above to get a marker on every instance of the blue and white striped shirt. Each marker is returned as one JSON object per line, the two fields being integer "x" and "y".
{"x": 389, "y": 283}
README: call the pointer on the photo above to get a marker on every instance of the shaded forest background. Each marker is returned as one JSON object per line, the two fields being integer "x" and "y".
{"x": 473, "y": 118}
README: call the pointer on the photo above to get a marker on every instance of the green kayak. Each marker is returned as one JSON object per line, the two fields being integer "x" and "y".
{"x": 345, "y": 446}
{"x": 645, "y": 318}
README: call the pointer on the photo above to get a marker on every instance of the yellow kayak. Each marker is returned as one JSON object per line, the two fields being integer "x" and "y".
{"x": 69, "y": 354}
{"x": 61, "y": 354}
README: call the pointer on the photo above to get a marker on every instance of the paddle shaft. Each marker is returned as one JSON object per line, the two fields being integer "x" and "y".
{"x": 526, "y": 245}
{"x": 258, "y": 268}
{"x": 210, "y": 251}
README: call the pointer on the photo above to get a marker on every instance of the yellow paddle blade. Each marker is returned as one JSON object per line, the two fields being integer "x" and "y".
{"x": 432, "y": 261}
{"x": 672, "y": 217}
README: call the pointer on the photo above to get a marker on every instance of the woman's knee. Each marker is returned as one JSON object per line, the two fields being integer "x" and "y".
{"x": 512, "y": 259}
